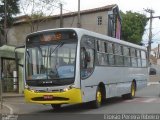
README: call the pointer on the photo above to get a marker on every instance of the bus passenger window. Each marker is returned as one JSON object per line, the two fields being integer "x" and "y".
{"x": 86, "y": 56}
{"x": 126, "y": 53}
{"x": 87, "y": 61}
{"x": 143, "y": 59}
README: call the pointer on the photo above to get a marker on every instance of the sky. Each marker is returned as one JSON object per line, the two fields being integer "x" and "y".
{"x": 124, "y": 5}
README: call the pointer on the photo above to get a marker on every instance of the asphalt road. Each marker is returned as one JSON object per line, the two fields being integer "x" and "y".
{"x": 147, "y": 101}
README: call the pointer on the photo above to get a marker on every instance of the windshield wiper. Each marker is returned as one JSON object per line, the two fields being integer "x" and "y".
{"x": 58, "y": 46}
{"x": 54, "y": 74}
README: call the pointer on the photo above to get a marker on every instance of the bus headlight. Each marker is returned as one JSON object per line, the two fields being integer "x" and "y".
{"x": 28, "y": 88}
{"x": 65, "y": 89}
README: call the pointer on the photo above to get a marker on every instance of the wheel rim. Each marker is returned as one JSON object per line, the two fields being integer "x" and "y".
{"x": 133, "y": 90}
{"x": 99, "y": 97}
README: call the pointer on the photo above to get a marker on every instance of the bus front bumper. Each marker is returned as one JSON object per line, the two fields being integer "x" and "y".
{"x": 68, "y": 97}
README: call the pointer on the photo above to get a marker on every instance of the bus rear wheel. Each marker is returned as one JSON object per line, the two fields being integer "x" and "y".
{"x": 131, "y": 95}
{"x": 56, "y": 106}
{"x": 97, "y": 103}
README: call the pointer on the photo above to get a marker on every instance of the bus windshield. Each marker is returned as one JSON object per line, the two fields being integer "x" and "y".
{"x": 51, "y": 63}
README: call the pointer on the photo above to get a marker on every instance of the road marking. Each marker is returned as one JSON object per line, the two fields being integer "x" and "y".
{"x": 10, "y": 109}
{"x": 143, "y": 100}
{"x": 150, "y": 100}
{"x": 152, "y": 83}
{"x": 132, "y": 100}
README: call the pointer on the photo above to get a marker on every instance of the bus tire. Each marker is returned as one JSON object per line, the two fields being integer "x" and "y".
{"x": 56, "y": 106}
{"x": 130, "y": 95}
{"x": 98, "y": 101}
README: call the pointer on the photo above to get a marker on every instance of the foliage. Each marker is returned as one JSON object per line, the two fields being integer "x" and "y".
{"x": 37, "y": 11}
{"x": 133, "y": 26}
{"x": 12, "y": 8}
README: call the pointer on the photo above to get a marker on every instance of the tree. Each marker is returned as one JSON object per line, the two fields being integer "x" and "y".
{"x": 133, "y": 26}
{"x": 12, "y": 8}
{"x": 38, "y": 11}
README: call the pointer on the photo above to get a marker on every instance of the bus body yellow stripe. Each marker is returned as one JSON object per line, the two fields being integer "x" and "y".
{"x": 73, "y": 95}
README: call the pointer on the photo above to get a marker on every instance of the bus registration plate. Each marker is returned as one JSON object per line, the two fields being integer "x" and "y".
{"x": 47, "y": 97}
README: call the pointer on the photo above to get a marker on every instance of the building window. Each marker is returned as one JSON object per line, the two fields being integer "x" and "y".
{"x": 99, "y": 20}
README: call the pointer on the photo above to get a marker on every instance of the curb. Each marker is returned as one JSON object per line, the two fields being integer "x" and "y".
{"x": 12, "y": 96}
{"x": 153, "y": 83}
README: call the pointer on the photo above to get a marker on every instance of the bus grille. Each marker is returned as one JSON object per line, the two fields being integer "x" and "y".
{"x": 54, "y": 99}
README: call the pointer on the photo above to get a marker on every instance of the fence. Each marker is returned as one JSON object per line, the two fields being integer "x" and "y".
{"x": 9, "y": 85}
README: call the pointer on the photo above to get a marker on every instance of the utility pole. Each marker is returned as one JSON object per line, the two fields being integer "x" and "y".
{"x": 5, "y": 21}
{"x": 158, "y": 51}
{"x": 61, "y": 17}
{"x": 79, "y": 17}
{"x": 150, "y": 32}
{"x": 1, "y": 90}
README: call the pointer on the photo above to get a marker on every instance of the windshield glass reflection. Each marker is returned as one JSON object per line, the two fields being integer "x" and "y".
{"x": 51, "y": 61}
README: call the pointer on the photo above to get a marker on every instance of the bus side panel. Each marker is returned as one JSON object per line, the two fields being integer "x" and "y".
{"x": 141, "y": 84}
{"x": 140, "y": 75}
{"x": 123, "y": 88}
{"x": 117, "y": 81}
{"x": 88, "y": 91}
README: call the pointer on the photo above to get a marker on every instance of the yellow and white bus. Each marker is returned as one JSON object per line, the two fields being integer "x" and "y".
{"x": 73, "y": 65}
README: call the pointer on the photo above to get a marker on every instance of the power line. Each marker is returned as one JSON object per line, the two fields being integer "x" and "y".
{"x": 62, "y": 8}
{"x": 156, "y": 33}
{"x": 153, "y": 17}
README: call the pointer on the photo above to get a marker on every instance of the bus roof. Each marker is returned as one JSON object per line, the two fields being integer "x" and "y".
{"x": 105, "y": 37}
{"x": 82, "y": 31}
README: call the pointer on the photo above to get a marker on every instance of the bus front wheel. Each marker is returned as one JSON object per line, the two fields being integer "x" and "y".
{"x": 98, "y": 101}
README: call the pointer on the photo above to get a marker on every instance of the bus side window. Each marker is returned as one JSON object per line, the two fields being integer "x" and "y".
{"x": 86, "y": 57}
{"x": 143, "y": 59}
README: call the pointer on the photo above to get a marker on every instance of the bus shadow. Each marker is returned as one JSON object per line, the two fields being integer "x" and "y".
{"x": 75, "y": 108}
{"x": 82, "y": 108}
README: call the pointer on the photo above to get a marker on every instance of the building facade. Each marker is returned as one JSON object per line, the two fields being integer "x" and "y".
{"x": 105, "y": 20}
